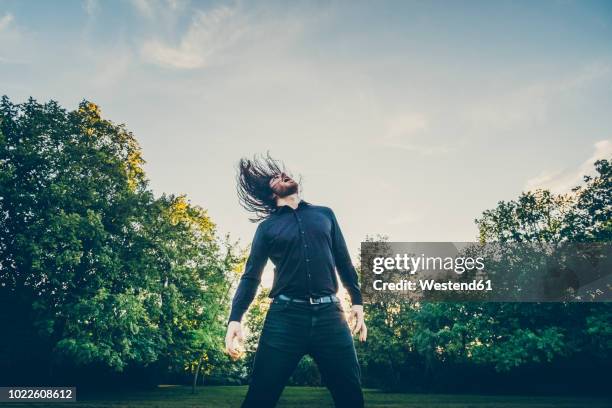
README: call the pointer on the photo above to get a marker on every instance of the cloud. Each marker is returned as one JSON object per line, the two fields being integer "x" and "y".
{"x": 177, "y": 4}
{"x": 156, "y": 10}
{"x": 532, "y": 103}
{"x": 145, "y": 8}
{"x": 405, "y": 125}
{"x": 12, "y": 47}
{"x": 404, "y": 219}
{"x": 5, "y": 21}
{"x": 422, "y": 148}
{"x": 209, "y": 35}
{"x": 410, "y": 131}
{"x": 182, "y": 58}
{"x": 90, "y": 7}
{"x": 562, "y": 181}
{"x": 111, "y": 67}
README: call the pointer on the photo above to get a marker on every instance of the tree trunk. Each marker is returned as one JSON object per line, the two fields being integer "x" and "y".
{"x": 195, "y": 377}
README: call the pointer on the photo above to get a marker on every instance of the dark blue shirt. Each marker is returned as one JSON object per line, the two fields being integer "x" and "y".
{"x": 306, "y": 247}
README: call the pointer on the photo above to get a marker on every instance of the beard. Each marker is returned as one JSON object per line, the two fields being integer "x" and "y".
{"x": 286, "y": 189}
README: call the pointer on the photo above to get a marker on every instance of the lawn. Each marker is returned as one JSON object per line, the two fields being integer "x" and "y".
{"x": 219, "y": 397}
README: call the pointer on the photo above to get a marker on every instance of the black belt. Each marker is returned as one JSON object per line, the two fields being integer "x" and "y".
{"x": 312, "y": 301}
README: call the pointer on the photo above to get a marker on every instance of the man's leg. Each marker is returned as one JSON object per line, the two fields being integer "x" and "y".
{"x": 334, "y": 352}
{"x": 271, "y": 370}
{"x": 281, "y": 346}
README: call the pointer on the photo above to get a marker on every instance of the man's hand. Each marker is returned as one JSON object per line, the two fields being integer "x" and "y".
{"x": 233, "y": 336}
{"x": 357, "y": 322}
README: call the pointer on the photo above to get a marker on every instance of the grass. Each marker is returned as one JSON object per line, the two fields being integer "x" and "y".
{"x": 220, "y": 397}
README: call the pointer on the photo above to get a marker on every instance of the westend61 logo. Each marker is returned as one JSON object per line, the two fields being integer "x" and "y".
{"x": 496, "y": 272}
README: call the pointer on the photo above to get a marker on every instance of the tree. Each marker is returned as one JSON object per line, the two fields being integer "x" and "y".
{"x": 98, "y": 271}
{"x": 463, "y": 346}
{"x": 542, "y": 332}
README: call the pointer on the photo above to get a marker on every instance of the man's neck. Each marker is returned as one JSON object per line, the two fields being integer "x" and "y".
{"x": 292, "y": 201}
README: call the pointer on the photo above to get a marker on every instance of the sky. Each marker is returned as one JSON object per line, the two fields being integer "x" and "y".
{"x": 409, "y": 118}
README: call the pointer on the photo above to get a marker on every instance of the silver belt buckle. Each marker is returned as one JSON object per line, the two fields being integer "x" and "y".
{"x": 312, "y": 301}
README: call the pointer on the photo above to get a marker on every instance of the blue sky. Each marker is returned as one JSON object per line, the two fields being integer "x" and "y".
{"x": 407, "y": 118}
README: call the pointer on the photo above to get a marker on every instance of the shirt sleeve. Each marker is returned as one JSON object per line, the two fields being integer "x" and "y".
{"x": 346, "y": 270}
{"x": 247, "y": 288}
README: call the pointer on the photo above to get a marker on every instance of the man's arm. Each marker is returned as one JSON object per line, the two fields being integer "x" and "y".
{"x": 246, "y": 291}
{"x": 247, "y": 288}
{"x": 348, "y": 276}
{"x": 342, "y": 258}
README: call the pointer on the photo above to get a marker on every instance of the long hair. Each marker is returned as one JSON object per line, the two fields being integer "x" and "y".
{"x": 253, "y": 185}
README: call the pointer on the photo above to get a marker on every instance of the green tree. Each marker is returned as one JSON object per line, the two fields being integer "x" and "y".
{"x": 541, "y": 332}
{"x": 98, "y": 271}
{"x": 423, "y": 345}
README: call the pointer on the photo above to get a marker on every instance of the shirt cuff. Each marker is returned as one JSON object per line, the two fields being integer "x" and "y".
{"x": 356, "y": 298}
{"x": 235, "y": 316}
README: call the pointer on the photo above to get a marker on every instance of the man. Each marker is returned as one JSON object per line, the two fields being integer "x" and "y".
{"x": 305, "y": 244}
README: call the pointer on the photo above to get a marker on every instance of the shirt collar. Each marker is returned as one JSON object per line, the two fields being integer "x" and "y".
{"x": 284, "y": 208}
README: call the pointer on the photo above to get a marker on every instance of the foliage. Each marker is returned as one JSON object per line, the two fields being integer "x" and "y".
{"x": 106, "y": 273}
{"x": 421, "y": 346}
{"x": 99, "y": 276}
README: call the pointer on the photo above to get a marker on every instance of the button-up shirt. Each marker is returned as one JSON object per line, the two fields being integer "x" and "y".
{"x": 306, "y": 247}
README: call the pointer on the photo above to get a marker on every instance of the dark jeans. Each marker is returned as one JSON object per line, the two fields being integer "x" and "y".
{"x": 292, "y": 330}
